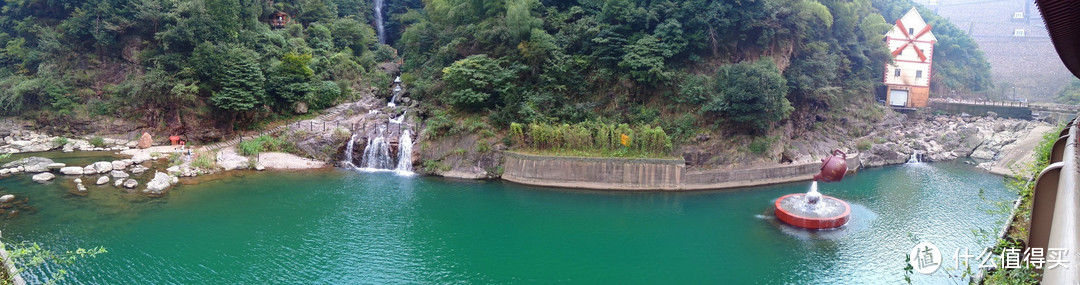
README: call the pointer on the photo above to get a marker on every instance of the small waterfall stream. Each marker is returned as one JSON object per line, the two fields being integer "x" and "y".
{"x": 404, "y": 164}
{"x": 349, "y": 151}
{"x": 379, "y": 21}
{"x": 377, "y": 152}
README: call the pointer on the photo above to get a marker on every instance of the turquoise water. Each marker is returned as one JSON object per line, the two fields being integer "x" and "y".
{"x": 346, "y": 227}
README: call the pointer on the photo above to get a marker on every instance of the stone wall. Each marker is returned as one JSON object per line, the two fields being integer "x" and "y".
{"x": 644, "y": 174}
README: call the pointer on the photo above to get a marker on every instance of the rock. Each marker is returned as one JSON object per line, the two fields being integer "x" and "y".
{"x": 260, "y": 167}
{"x": 5, "y": 171}
{"x": 138, "y": 169}
{"x": 78, "y": 180}
{"x": 35, "y": 162}
{"x": 145, "y": 141}
{"x": 175, "y": 169}
{"x": 54, "y": 166}
{"x": 119, "y": 174}
{"x": 131, "y": 183}
{"x": 42, "y": 177}
{"x": 36, "y": 168}
{"x": 72, "y": 170}
{"x": 103, "y": 166}
{"x": 159, "y": 184}
{"x": 132, "y": 144}
{"x": 119, "y": 164}
{"x": 118, "y": 183}
{"x": 89, "y": 170}
{"x": 102, "y": 180}
{"x": 982, "y": 154}
{"x": 7, "y": 198}
{"x": 300, "y": 107}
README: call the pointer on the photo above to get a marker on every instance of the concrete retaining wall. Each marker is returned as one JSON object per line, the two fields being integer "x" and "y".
{"x": 643, "y": 174}
{"x": 1004, "y": 111}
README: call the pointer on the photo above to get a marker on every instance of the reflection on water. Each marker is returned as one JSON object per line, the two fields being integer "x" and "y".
{"x": 347, "y": 227}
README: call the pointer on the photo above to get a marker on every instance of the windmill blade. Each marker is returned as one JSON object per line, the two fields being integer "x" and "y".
{"x": 902, "y": 28}
{"x": 922, "y": 32}
{"x": 898, "y": 51}
{"x": 918, "y": 51}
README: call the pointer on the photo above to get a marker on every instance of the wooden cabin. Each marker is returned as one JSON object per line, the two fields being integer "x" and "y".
{"x": 279, "y": 19}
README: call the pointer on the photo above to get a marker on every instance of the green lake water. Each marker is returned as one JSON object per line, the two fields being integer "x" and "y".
{"x": 348, "y": 227}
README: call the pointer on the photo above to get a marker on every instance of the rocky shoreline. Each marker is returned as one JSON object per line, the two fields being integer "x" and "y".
{"x": 994, "y": 143}
{"x": 944, "y": 138}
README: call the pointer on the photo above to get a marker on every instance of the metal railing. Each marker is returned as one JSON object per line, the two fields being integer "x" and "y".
{"x": 1056, "y": 207}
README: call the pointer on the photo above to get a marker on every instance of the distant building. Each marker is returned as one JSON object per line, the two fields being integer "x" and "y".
{"x": 279, "y": 19}
{"x": 908, "y": 78}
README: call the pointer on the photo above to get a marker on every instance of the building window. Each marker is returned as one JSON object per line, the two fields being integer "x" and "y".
{"x": 897, "y": 72}
{"x": 911, "y": 31}
{"x": 1018, "y": 15}
{"x": 1019, "y": 33}
{"x": 918, "y": 74}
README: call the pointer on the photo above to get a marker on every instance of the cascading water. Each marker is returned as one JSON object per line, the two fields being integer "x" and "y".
{"x": 377, "y": 152}
{"x": 404, "y": 164}
{"x": 914, "y": 158}
{"x": 349, "y": 151}
{"x": 379, "y": 21}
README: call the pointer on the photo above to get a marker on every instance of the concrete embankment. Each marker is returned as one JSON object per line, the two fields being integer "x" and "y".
{"x": 643, "y": 174}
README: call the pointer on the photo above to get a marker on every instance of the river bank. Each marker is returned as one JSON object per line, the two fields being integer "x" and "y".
{"x": 997, "y": 144}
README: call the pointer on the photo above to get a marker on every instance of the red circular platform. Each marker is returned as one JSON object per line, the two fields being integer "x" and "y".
{"x": 812, "y": 222}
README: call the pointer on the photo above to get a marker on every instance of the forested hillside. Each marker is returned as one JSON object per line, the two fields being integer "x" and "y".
{"x": 737, "y": 66}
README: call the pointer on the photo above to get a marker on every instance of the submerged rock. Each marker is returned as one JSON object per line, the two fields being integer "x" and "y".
{"x": 7, "y": 198}
{"x": 131, "y": 183}
{"x": 119, "y": 174}
{"x": 30, "y": 164}
{"x": 103, "y": 166}
{"x": 102, "y": 180}
{"x": 42, "y": 177}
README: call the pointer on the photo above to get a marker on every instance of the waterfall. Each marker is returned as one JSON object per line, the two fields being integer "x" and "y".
{"x": 377, "y": 152}
{"x": 914, "y": 158}
{"x": 404, "y": 164}
{"x": 399, "y": 119}
{"x": 379, "y": 21}
{"x": 349, "y": 151}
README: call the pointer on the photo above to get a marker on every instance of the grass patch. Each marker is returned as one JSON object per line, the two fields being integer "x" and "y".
{"x": 863, "y": 145}
{"x": 205, "y": 160}
{"x": 60, "y": 141}
{"x": 264, "y": 143}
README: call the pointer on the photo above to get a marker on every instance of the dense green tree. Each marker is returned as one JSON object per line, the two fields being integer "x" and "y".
{"x": 241, "y": 82}
{"x": 477, "y": 81}
{"x": 751, "y": 95}
{"x": 290, "y": 80}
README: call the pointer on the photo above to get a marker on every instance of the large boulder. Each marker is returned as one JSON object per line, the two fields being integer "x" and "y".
{"x": 42, "y": 177}
{"x": 32, "y": 163}
{"x": 102, "y": 180}
{"x": 72, "y": 170}
{"x": 103, "y": 166}
{"x": 145, "y": 141}
{"x": 36, "y": 168}
{"x": 159, "y": 184}
{"x": 7, "y": 198}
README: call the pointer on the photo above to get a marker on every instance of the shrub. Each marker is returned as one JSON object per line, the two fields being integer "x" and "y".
{"x": 204, "y": 160}
{"x": 60, "y": 141}
{"x": 751, "y": 95}
{"x": 760, "y": 145}
{"x": 97, "y": 142}
{"x": 264, "y": 143}
{"x": 863, "y": 145}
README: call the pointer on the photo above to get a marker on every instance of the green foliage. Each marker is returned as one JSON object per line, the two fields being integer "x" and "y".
{"x": 1069, "y": 94}
{"x": 751, "y": 95}
{"x": 291, "y": 79}
{"x": 241, "y": 81}
{"x": 595, "y": 138}
{"x": 477, "y": 81}
{"x": 97, "y": 141}
{"x": 863, "y": 145}
{"x": 31, "y": 256}
{"x": 264, "y": 143}
{"x": 204, "y": 160}
{"x": 761, "y": 144}
{"x": 60, "y": 141}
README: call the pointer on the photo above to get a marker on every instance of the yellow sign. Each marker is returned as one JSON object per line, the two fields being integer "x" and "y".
{"x": 625, "y": 140}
